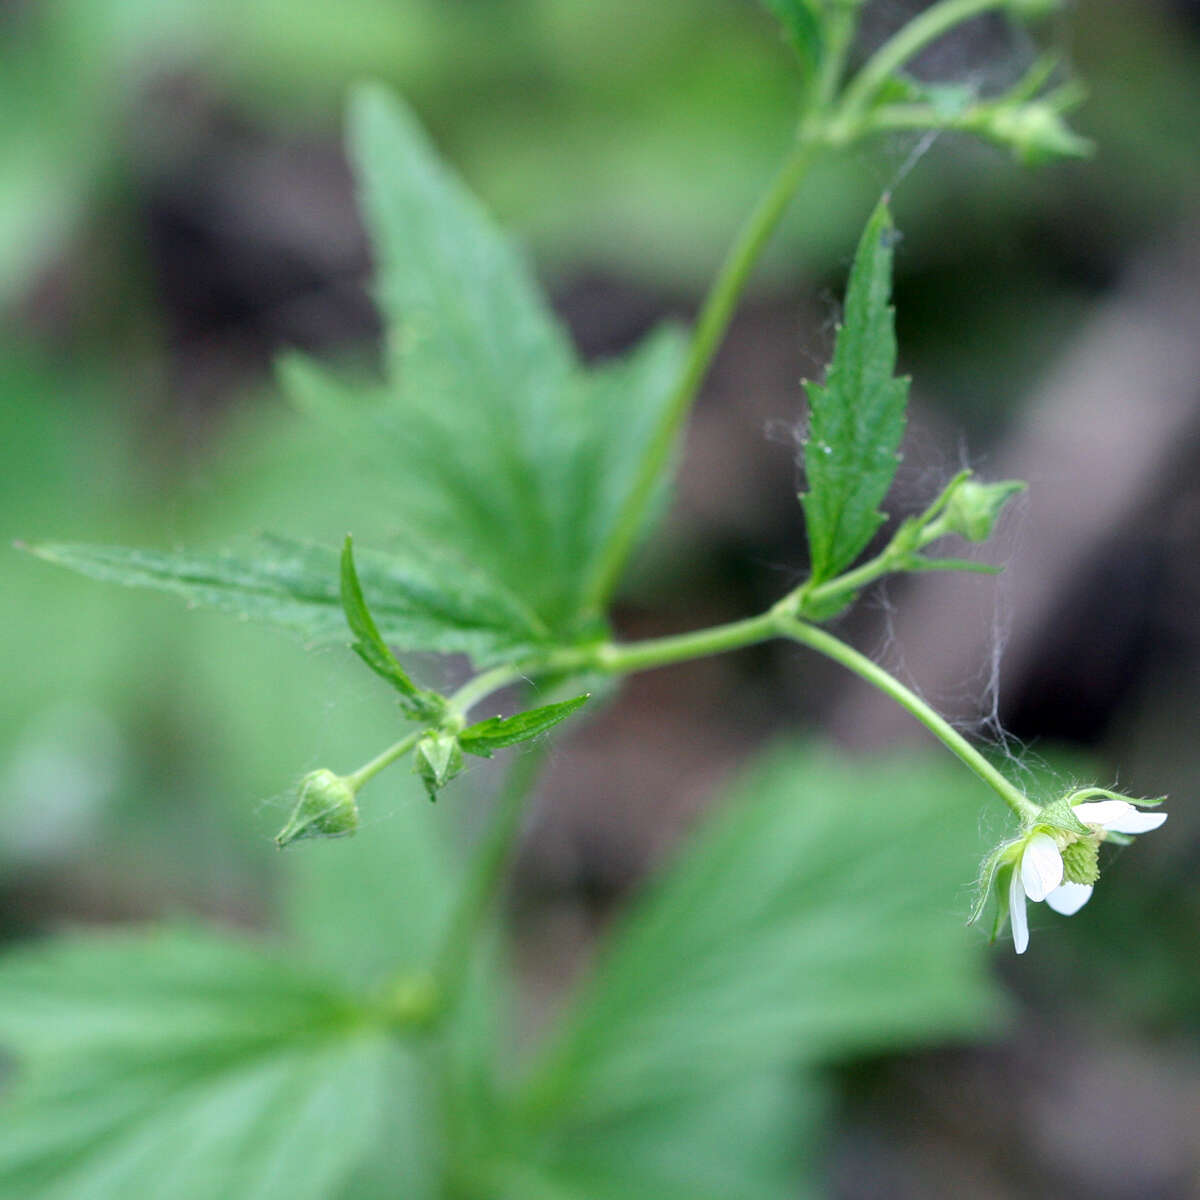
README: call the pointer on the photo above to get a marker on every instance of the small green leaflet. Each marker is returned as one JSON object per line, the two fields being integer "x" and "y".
{"x": 857, "y": 416}
{"x": 373, "y": 650}
{"x": 497, "y": 732}
{"x": 802, "y": 22}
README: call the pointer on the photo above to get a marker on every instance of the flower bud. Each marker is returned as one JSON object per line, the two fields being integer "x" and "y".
{"x": 325, "y": 808}
{"x": 974, "y": 508}
{"x": 437, "y": 759}
{"x": 1036, "y": 133}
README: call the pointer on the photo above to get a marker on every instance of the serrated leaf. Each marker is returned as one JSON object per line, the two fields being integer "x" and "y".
{"x": 419, "y": 600}
{"x": 802, "y": 22}
{"x": 498, "y": 443}
{"x": 371, "y": 647}
{"x": 754, "y": 1139}
{"x": 857, "y": 416}
{"x": 812, "y": 919}
{"x": 182, "y": 1065}
{"x": 495, "y": 733}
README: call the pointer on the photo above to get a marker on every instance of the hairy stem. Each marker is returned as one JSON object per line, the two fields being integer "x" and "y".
{"x": 371, "y": 769}
{"x": 710, "y": 330}
{"x": 832, "y": 647}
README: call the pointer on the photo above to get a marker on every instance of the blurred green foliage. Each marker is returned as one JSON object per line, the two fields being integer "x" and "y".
{"x": 808, "y": 922}
{"x": 143, "y": 754}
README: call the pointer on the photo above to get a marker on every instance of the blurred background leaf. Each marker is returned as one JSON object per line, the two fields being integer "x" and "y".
{"x": 179, "y": 1063}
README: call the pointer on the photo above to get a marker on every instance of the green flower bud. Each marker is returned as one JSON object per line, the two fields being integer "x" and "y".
{"x": 325, "y": 808}
{"x": 974, "y": 508}
{"x": 437, "y": 759}
{"x": 1036, "y": 133}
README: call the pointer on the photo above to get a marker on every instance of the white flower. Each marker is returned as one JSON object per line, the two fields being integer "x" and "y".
{"x": 1039, "y": 873}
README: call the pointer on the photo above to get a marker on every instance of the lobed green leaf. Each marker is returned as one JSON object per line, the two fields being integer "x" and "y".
{"x": 497, "y": 442}
{"x": 183, "y": 1065}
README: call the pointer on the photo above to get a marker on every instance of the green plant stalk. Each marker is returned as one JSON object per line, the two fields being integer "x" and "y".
{"x": 613, "y": 658}
{"x": 920, "y": 32}
{"x": 707, "y": 336}
{"x": 370, "y": 769}
{"x": 832, "y": 647}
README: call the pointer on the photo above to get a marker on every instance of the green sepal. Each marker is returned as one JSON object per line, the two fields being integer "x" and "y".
{"x": 497, "y": 732}
{"x": 374, "y": 651}
{"x": 1099, "y": 793}
{"x": 1060, "y": 814}
{"x": 1001, "y": 916}
{"x": 325, "y": 808}
{"x": 437, "y": 759}
{"x": 987, "y": 878}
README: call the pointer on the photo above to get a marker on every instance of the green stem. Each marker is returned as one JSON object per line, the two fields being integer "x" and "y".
{"x": 488, "y": 869}
{"x": 852, "y": 581}
{"x": 371, "y": 769}
{"x": 920, "y": 32}
{"x": 482, "y": 686}
{"x": 825, "y": 643}
{"x": 616, "y": 659}
{"x": 710, "y": 329}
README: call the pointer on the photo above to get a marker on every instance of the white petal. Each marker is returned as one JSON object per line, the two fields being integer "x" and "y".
{"x": 1068, "y": 898}
{"x": 1137, "y": 821}
{"x": 1016, "y": 912}
{"x": 1041, "y": 866}
{"x": 1103, "y": 812}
